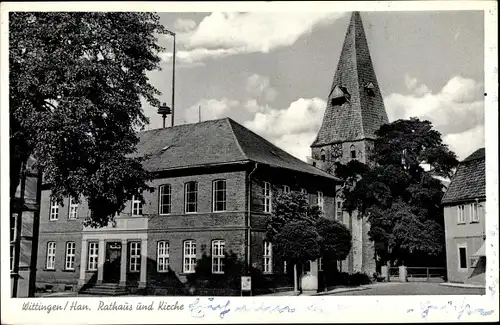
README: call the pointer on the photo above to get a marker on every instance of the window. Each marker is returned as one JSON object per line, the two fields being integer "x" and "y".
{"x": 461, "y": 213}
{"x": 69, "y": 263}
{"x": 12, "y": 257}
{"x": 320, "y": 264}
{"x": 219, "y": 195}
{"x": 320, "y": 200}
{"x": 189, "y": 256}
{"x": 136, "y": 206}
{"x": 162, "y": 256}
{"x": 323, "y": 155}
{"x": 462, "y": 256}
{"x": 135, "y": 257}
{"x": 303, "y": 191}
{"x": 73, "y": 209}
{"x": 353, "y": 152}
{"x": 268, "y": 257}
{"x": 284, "y": 267}
{"x": 218, "y": 256}
{"x": 286, "y": 189}
{"x": 474, "y": 217}
{"x": 339, "y": 210}
{"x": 191, "y": 197}
{"x": 54, "y": 210}
{"x": 165, "y": 199}
{"x": 51, "y": 256}
{"x": 93, "y": 254}
{"x": 267, "y": 197}
{"x": 13, "y": 227}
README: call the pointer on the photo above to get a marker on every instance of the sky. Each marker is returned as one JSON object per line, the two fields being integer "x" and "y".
{"x": 272, "y": 72}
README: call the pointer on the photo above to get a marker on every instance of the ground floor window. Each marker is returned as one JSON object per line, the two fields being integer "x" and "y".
{"x": 218, "y": 256}
{"x": 70, "y": 256}
{"x": 462, "y": 257}
{"x": 135, "y": 257}
{"x": 93, "y": 254}
{"x": 268, "y": 257}
{"x": 163, "y": 256}
{"x": 189, "y": 261}
{"x": 51, "y": 256}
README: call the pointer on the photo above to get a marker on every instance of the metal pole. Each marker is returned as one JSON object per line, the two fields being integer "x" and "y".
{"x": 173, "y": 81}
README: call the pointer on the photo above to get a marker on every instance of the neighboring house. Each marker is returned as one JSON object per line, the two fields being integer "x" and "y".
{"x": 354, "y": 112}
{"x": 464, "y": 217}
{"x": 23, "y": 232}
{"x": 214, "y": 182}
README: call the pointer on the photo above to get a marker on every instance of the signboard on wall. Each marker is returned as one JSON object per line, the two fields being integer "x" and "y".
{"x": 246, "y": 283}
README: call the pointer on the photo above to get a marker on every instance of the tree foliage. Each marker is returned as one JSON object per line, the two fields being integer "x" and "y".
{"x": 300, "y": 233}
{"x": 399, "y": 197}
{"x": 76, "y": 84}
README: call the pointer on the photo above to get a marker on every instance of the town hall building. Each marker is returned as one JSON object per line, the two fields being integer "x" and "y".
{"x": 214, "y": 184}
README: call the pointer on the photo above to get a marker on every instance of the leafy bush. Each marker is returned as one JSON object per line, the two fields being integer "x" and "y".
{"x": 346, "y": 279}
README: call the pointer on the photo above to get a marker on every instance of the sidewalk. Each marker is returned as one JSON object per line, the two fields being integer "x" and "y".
{"x": 462, "y": 285}
{"x": 314, "y": 293}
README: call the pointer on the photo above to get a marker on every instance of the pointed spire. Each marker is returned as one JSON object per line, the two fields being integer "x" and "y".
{"x": 355, "y": 109}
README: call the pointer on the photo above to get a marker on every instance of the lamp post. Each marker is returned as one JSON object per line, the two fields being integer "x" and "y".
{"x": 173, "y": 75}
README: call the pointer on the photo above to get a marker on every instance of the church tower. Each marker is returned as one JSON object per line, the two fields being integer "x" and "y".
{"x": 354, "y": 111}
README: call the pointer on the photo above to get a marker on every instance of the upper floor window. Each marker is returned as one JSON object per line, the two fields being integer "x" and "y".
{"x": 73, "y": 209}
{"x": 13, "y": 227}
{"x": 323, "y": 155}
{"x": 162, "y": 256}
{"x": 51, "y": 256}
{"x": 353, "y": 152}
{"x": 218, "y": 256}
{"x": 461, "y": 213}
{"x": 136, "y": 206}
{"x": 303, "y": 191}
{"x": 191, "y": 197}
{"x": 474, "y": 209}
{"x": 339, "y": 210}
{"x": 54, "y": 210}
{"x": 219, "y": 195}
{"x": 189, "y": 258}
{"x": 12, "y": 251}
{"x": 267, "y": 197}
{"x": 165, "y": 199}
{"x": 268, "y": 257}
{"x": 320, "y": 201}
{"x": 69, "y": 263}
{"x": 286, "y": 189}
{"x": 135, "y": 257}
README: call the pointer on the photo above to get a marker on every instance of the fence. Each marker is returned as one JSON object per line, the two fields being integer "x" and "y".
{"x": 418, "y": 274}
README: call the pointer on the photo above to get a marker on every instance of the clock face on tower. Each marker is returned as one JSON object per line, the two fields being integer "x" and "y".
{"x": 336, "y": 150}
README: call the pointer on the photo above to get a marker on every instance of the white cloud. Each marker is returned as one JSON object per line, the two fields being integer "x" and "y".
{"x": 293, "y": 129}
{"x": 210, "y": 109}
{"x": 221, "y": 34}
{"x": 457, "y": 109}
{"x": 258, "y": 85}
{"x": 465, "y": 143}
{"x": 184, "y": 25}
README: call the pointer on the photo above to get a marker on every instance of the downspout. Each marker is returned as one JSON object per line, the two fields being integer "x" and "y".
{"x": 248, "y": 223}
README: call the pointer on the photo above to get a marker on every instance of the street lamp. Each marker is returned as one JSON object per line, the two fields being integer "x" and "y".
{"x": 173, "y": 76}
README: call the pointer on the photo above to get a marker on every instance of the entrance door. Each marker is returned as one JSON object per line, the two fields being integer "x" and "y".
{"x": 112, "y": 263}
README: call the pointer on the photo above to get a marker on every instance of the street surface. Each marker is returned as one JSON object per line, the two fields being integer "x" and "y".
{"x": 411, "y": 288}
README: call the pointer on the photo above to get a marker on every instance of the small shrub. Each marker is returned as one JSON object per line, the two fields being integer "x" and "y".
{"x": 359, "y": 278}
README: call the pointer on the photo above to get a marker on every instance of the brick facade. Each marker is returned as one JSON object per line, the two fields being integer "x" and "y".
{"x": 175, "y": 228}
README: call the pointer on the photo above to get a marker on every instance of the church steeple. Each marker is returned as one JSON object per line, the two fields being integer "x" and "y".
{"x": 355, "y": 109}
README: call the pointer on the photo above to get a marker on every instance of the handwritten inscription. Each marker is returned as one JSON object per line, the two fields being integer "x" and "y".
{"x": 459, "y": 309}
{"x": 223, "y": 307}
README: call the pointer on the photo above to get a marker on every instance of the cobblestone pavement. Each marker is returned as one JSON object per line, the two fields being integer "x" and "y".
{"x": 411, "y": 288}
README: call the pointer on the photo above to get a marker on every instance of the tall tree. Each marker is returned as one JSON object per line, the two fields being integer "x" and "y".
{"x": 400, "y": 193}
{"x": 76, "y": 84}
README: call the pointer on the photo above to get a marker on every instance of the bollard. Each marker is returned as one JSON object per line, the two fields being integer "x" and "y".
{"x": 385, "y": 273}
{"x": 402, "y": 273}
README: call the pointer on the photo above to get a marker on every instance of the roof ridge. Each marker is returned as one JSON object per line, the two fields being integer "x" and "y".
{"x": 182, "y": 125}
{"x": 355, "y": 15}
{"x": 230, "y": 121}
